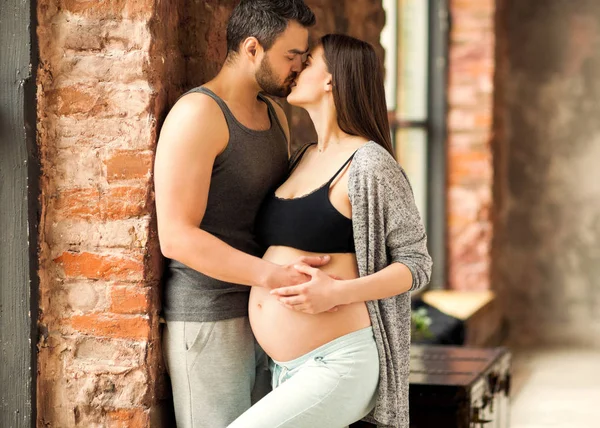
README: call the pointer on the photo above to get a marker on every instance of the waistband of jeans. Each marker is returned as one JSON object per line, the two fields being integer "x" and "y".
{"x": 357, "y": 336}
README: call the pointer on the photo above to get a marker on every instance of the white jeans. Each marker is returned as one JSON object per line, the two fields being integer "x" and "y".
{"x": 217, "y": 371}
{"x": 330, "y": 387}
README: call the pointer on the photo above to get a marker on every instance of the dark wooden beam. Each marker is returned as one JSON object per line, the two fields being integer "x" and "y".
{"x": 18, "y": 213}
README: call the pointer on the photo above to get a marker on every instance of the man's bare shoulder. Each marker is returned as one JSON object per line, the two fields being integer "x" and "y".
{"x": 196, "y": 116}
{"x": 195, "y": 106}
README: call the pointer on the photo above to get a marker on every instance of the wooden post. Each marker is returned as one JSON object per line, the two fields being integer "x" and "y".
{"x": 18, "y": 214}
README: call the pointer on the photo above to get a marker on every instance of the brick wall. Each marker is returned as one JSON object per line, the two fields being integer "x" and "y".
{"x": 471, "y": 69}
{"x": 107, "y": 71}
{"x": 203, "y": 38}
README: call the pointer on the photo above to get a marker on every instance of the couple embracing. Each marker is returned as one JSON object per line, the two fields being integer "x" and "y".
{"x": 288, "y": 275}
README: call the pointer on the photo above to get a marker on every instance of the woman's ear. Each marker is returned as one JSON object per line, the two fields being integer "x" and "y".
{"x": 329, "y": 84}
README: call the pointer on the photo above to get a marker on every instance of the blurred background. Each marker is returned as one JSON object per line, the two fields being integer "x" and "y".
{"x": 494, "y": 108}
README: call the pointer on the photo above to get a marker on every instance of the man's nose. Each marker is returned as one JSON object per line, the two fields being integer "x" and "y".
{"x": 297, "y": 65}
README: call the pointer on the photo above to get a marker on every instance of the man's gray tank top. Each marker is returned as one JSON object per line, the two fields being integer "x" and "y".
{"x": 252, "y": 164}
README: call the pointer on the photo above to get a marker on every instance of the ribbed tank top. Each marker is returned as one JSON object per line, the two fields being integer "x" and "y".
{"x": 253, "y": 164}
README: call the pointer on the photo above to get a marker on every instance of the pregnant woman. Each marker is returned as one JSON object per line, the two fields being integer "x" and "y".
{"x": 339, "y": 352}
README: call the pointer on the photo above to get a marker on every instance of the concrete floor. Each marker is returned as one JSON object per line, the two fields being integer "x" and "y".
{"x": 557, "y": 387}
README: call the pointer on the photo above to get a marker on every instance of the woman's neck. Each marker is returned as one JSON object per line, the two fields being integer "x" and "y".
{"x": 329, "y": 133}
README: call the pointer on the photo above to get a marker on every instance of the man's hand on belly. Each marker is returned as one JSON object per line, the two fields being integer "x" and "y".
{"x": 321, "y": 294}
{"x": 287, "y": 275}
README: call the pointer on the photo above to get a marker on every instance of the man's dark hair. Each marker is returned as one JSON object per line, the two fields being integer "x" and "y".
{"x": 265, "y": 20}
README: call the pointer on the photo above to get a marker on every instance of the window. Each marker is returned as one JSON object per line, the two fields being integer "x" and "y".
{"x": 415, "y": 40}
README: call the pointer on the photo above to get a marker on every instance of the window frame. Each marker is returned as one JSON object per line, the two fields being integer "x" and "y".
{"x": 435, "y": 128}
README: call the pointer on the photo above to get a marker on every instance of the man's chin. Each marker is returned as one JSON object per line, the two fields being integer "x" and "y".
{"x": 283, "y": 93}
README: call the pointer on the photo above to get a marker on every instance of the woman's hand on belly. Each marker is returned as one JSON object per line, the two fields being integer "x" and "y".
{"x": 322, "y": 293}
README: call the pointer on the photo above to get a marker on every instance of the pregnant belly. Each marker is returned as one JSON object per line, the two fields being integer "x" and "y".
{"x": 286, "y": 334}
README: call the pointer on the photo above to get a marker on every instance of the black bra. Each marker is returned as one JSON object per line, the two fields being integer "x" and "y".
{"x": 309, "y": 223}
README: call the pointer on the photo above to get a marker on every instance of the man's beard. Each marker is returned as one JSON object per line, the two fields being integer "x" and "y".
{"x": 268, "y": 82}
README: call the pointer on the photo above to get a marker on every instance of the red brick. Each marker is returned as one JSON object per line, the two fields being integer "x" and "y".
{"x": 124, "y": 202}
{"x": 96, "y": 266}
{"x": 72, "y": 100}
{"x": 128, "y": 418}
{"x": 77, "y": 203}
{"x": 483, "y": 120}
{"x": 473, "y": 6}
{"x": 112, "y": 326}
{"x": 474, "y": 165}
{"x": 130, "y": 300}
{"x": 115, "y": 203}
{"x": 457, "y": 222}
{"x": 470, "y": 140}
{"x": 128, "y": 165}
{"x": 99, "y": 100}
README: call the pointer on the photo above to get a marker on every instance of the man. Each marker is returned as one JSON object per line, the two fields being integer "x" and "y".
{"x": 221, "y": 148}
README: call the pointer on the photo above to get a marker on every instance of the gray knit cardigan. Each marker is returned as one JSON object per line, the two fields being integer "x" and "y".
{"x": 388, "y": 229}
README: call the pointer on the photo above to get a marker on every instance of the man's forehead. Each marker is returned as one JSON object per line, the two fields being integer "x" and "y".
{"x": 293, "y": 40}
{"x": 295, "y": 45}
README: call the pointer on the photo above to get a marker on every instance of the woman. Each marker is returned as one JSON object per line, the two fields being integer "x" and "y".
{"x": 340, "y": 352}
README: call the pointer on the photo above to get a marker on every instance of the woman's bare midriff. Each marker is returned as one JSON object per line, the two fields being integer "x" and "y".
{"x": 286, "y": 334}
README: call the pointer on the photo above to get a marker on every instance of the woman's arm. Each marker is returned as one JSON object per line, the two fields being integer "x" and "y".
{"x": 391, "y": 281}
{"x": 322, "y": 292}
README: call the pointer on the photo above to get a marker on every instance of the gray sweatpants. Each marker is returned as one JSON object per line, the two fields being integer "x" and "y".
{"x": 217, "y": 371}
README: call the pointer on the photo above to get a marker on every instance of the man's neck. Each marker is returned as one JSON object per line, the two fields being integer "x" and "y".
{"x": 236, "y": 85}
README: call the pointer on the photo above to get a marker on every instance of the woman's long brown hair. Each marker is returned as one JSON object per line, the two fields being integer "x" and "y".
{"x": 358, "y": 90}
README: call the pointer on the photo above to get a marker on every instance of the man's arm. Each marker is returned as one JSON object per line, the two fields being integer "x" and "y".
{"x": 192, "y": 136}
